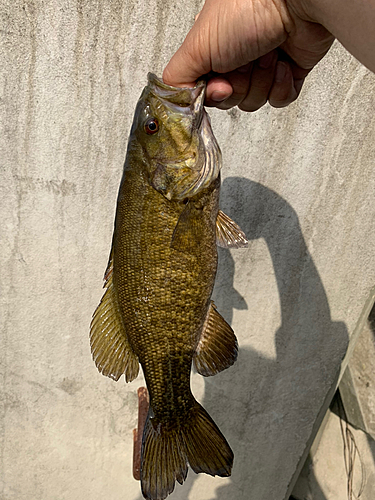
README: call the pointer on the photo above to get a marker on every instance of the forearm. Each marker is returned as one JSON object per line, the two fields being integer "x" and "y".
{"x": 352, "y": 22}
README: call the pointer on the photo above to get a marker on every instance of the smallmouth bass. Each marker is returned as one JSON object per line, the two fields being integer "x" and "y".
{"x": 156, "y": 309}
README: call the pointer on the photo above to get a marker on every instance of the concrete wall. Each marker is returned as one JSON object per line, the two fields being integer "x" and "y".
{"x": 300, "y": 181}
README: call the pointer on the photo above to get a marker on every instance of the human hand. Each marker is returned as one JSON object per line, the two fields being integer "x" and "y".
{"x": 253, "y": 51}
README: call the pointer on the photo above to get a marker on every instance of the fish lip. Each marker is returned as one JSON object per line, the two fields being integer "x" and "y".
{"x": 189, "y": 98}
{"x": 157, "y": 83}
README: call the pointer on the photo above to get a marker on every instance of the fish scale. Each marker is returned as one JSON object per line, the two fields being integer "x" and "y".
{"x": 156, "y": 266}
{"x": 156, "y": 309}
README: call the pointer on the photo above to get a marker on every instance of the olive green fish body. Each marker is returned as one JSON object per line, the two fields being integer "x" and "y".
{"x": 156, "y": 309}
{"x": 164, "y": 293}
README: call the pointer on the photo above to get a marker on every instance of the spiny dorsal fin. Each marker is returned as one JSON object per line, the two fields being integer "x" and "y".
{"x": 217, "y": 348}
{"x": 110, "y": 347}
{"x": 228, "y": 233}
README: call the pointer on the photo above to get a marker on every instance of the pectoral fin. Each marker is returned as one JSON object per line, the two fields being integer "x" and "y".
{"x": 110, "y": 347}
{"x": 217, "y": 348}
{"x": 228, "y": 233}
{"x": 187, "y": 235}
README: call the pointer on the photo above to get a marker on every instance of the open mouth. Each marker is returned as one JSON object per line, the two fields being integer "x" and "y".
{"x": 189, "y": 102}
{"x": 183, "y": 100}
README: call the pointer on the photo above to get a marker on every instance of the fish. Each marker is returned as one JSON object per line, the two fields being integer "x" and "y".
{"x": 157, "y": 310}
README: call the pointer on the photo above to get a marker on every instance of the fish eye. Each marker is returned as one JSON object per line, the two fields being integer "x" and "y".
{"x": 151, "y": 126}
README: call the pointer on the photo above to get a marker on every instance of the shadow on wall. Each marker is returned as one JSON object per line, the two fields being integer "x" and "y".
{"x": 256, "y": 414}
{"x": 371, "y": 320}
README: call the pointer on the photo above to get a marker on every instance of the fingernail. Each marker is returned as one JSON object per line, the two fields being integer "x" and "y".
{"x": 218, "y": 96}
{"x": 280, "y": 72}
{"x": 266, "y": 60}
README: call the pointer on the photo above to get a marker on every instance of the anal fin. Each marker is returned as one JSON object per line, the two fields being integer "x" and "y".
{"x": 228, "y": 233}
{"x": 217, "y": 348}
{"x": 110, "y": 346}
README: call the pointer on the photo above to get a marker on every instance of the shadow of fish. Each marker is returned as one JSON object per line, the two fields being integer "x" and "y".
{"x": 156, "y": 309}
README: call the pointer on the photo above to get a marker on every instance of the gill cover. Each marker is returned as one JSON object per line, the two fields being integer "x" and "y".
{"x": 199, "y": 163}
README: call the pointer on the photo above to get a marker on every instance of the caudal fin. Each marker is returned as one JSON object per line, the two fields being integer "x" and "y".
{"x": 168, "y": 448}
{"x": 207, "y": 450}
{"x": 163, "y": 459}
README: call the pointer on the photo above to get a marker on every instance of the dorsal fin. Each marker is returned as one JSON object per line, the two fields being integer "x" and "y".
{"x": 110, "y": 346}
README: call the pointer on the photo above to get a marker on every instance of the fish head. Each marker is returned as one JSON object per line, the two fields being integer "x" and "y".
{"x": 174, "y": 131}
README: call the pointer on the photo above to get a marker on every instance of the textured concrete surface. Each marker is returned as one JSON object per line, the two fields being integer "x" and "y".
{"x": 345, "y": 441}
{"x": 300, "y": 181}
{"x": 340, "y": 463}
{"x": 358, "y": 382}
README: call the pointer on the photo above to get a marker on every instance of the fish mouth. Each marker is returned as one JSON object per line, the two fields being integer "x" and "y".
{"x": 186, "y": 100}
{"x": 189, "y": 101}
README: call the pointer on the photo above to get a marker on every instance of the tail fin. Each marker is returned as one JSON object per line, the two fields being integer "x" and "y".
{"x": 163, "y": 459}
{"x": 167, "y": 448}
{"x": 207, "y": 449}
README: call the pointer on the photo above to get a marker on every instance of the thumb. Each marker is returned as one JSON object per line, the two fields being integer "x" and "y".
{"x": 192, "y": 59}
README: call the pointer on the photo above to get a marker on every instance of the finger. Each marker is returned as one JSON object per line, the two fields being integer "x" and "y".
{"x": 299, "y": 75}
{"x": 283, "y": 91}
{"x": 181, "y": 71}
{"x": 261, "y": 82}
{"x": 192, "y": 59}
{"x": 218, "y": 90}
{"x": 298, "y": 85}
{"x": 239, "y": 82}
